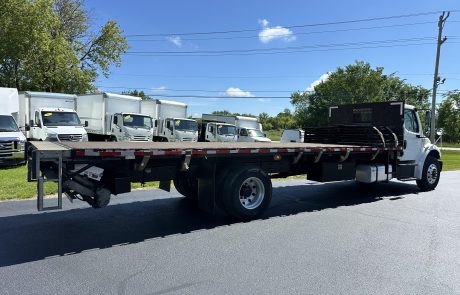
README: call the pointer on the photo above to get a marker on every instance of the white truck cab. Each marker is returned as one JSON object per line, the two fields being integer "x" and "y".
{"x": 56, "y": 124}
{"x": 12, "y": 141}
{"x": 417, "y": 147}
{"x": 178, "y": 129}
{"x": 252, "y": 135}
{"x": 50, "y": 116}
{"x": 131, "y": 127}
{"x": 218, "y": 132}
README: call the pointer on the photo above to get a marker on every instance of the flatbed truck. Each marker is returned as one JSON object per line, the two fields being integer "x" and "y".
{"x": 234, "y": 178}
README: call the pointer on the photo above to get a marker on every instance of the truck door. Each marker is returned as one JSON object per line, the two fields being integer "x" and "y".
{"x": 243, "y": 135}
{"x": 211, "y": 132}
{"x": 168, "y": 132}
{"x": 412, "y": 140}
{"x": 117, "y": 123}
{"x": 36, "y": 129}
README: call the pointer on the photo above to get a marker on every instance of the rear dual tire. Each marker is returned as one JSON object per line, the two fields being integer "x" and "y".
{"x": 246, "y": 192}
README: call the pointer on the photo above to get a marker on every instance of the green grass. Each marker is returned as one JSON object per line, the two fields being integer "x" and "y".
{"x": 274, "y": 135}
{"x": 14, "y": 185}
{"x": 448, "y": 144}
{"x": 450, "y": 160}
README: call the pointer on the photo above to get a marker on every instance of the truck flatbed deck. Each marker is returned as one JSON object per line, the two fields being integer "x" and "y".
{"x": 114, "y": 149}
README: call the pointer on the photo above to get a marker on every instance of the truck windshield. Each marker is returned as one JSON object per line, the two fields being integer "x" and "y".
{"x": 185, "y": 125}
{"x": 226, "y": 130}
{"x": 7, "y": 124}
{"x": 255, "y": 133}
{"x": 137, "y": 121}
{"x": 60, "y": 119}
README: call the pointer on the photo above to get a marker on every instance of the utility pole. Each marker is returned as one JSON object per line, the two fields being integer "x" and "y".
{"x": 442, "y": 20}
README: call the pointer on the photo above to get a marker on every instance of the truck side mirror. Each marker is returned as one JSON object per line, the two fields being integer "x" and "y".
{"x": 156, "y": 123}
{"x": 211, "y": 129}
{"x": 115, "y": 119}
{"x": 168, "y": 124}
{"x": 428, "y": 121}
{"x": 86, "y": 124}
{"x": 31, "y": 124}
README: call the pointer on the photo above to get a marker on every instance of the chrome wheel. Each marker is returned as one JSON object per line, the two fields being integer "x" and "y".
{"x": 432, "y": 174}
{"x": 252, "y": 193}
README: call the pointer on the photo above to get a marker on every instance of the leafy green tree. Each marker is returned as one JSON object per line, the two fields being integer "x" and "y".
{"x": 356, "y": 83}
{"x": 137, "y": 93}
{"x": 448, "y": 116}
{"x": 46, "y": 45}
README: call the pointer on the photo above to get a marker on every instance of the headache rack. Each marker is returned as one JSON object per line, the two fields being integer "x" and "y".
{"x": 367, "y": 124}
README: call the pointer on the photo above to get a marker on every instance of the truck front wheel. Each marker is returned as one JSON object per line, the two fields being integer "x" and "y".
{"x": 430, "y": 174}
{"x": 247, "y": 193}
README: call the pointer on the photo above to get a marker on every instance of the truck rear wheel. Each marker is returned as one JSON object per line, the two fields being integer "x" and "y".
{"x": 430, "y": 174}
{"x": 186, "y": 186}
{"x": 247, "y": 194}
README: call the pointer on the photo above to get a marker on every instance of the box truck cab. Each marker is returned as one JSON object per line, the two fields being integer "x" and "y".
{"x": 248, "y": 129}
{"x": 50, "y": 116}
{"x": 170, "y": 120}
{"x": 217, "y": 132}
{"x": 12, "y": 140}
{"x": 114, "y": 117}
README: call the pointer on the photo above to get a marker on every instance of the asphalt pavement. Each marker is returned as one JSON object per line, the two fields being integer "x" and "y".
{"x": 336, "y": 238}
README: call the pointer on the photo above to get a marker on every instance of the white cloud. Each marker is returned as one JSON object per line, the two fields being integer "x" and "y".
{"x": 159, "y": 89}
{"x": 273, "y": 33}
{"x": 263, "y": 99}
{"x": 234, "y": 91}
{"x": 321, "y": 79}
{"x": 176, "y": 40}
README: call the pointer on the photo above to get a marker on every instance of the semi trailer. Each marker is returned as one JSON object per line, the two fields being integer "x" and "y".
{"x": 114, "y": 117}
{"x": 368, "y": 143}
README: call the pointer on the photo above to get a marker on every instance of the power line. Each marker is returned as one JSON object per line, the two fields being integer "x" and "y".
{"x": 286, "y": 48}
{"x": 282, "y": 35}
{"x": 255, "y": 76}
{"x": 293, "y": 26}
{"x": 283, "y": 52}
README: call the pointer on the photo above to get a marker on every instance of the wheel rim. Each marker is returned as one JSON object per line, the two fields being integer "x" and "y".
{"x": 432, "y": 174}
{"x": 252, "y": 192}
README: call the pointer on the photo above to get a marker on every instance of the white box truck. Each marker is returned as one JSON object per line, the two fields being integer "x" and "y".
{"x": 249, "y": 129}
{"x": 171, "y": 123}
{"x": 114, "y": 117}
{"x": 213, "y": 130}
{"x": 12, "y": 141}
{"x": 50, "y": 116}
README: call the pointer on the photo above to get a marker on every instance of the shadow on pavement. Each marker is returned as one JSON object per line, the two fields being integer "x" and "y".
{"x": 31, "y": 237}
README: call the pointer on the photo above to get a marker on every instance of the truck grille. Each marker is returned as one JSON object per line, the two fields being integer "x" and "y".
{"x": 139, "y": 138}
{"x": 7, "y": 147}
{"x": 70, "y": 137}
{"x": 187, "y": 139}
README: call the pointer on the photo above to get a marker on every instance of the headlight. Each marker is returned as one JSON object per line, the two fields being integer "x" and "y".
{"x": 51, "y": 137}
{"x": 84, "y": 137}
{"x": 22, "y": 145}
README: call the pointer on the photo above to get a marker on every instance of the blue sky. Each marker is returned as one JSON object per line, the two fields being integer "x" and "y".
{"x": 266, "y": 80}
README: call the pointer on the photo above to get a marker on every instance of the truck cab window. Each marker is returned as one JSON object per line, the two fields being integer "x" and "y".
{"x": 410, "y": 121}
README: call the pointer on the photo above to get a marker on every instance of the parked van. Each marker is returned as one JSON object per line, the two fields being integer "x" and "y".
{"x": 12, "y": 141}
{"x": 292, "y": 135}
